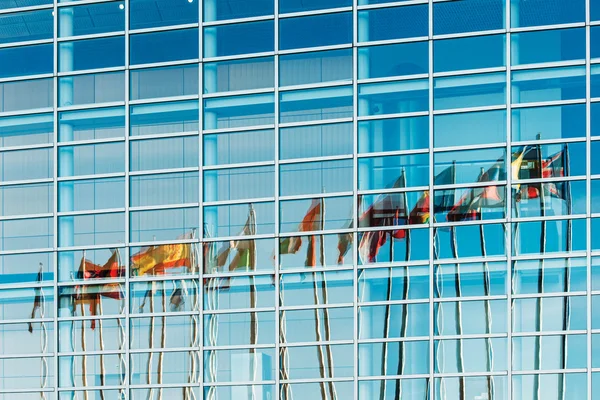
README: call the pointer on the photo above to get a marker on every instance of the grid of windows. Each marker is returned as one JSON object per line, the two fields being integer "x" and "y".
{"x": 292, "y": 199}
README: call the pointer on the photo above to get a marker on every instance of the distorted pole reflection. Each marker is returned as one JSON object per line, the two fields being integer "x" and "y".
{"x": 541, "y": 276}
{"x": 253, "y": 294}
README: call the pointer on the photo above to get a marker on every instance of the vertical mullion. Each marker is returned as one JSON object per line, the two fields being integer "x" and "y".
{"x": 127, "y": 202}
{"x": 431, "y": 236}
{"x": 509, "y": 236}
{"x": 55, "y": 197}
{"x": 276, "y": 207}
{"x": 201, "y": 258}
{"x": 354, "y": 193}
{"x": 588, "y": 202}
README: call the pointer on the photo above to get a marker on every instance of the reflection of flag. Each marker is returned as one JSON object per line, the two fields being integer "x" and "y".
{"x": 154, "y": 260}
{"x": 444, "y": 199}
{"x": 420, "y": 212}
{"x": 37, "y": 300}
{"x": 344, "y": 243}
{"x": 551, "y": 167}
{"x": 310, "y": 222}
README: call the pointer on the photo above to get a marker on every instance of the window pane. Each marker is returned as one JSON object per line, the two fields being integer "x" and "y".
{"x": 90, "y": 230}
{"x": 226, "y": 76}
{"x": 393, "y": 60}
{"x": 166, "y": 153}
{"x": 315, "y": 141}
{"x": 101, "y": 123}
{"x": 229, "y": 40}
{"x": 91, "y": 54}
{"x": 99, "y": 264}
{"x": 541, "y": 12}
{"x": 26, "y": 95}
{"x": 223, "y": 259}
{"x": 155, "y": 13}
{"x": 26, "y": 199}
{"x": 26, "y": 26}
{"x": 239, "y": 147}
{"x": 24, "y": 268}
{"x": 164, "y": 118}
{"x": 315, "y": 104}
{"x": 556, "y": 122}
{"x": 162, "y": 189}
{"x": 218, "y": 10}
{"x": 465, "y": 166}
{"x": 290, "y": 6}
{"x": 91, "y": 194}
{"x": 230, "y": 220}
{"x": 316, "y": 67}
{"x": 468, "y": 16}
{"x": 337, "y": 215}
{"x": 239, "y": 183}
{"x": 175, "y": 45}
{"x": 23, "y": 234}
{"x": 5, "y": 4}
{"x": 26, "y": 164}
{"x": 27, "y": 60}
{"x": 469, "y": 53}
{"x": 530, "y": 237}
{"x": 320, "y": 30}
{"x": 559, "y": 45}
{"x": 469, "y": 91}
{"x": 566, "y": 83}
{"x": 91, "y": 159}
{"x": 316, "y": 177}
{"x": 384, "y": 172}
{"x": 393, "y": 134}
{"x": 170, "y": 224}
{"x": 393, "y": 23}
{"x": 466, "y": 128}
{"x": 26, "y": 130}
{"x": 393, "y": 97}
{"x": 465, "y": 236}
{"x": 163, "y": 82}
{"x": 239, "y": 111}
{"x": 91, "y": 89}
{"x": 90, "y": 19}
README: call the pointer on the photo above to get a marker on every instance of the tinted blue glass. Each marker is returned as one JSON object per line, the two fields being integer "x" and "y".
{"x": 91, "y": 159}
{"x": 467, "y": 16}
{"x": 92, "y": 53}
{"x": 595, "y": 41}
{"x": 315, "y": 104}
{"x": 556, "y": 122}
{"x": 29, "y": 60}
{"x": 542, "y": 84}
{"x": 320, "y": 30}
{"x": 238, "y": 111}
{"x": 595, "y": 10}
{"x": 393, "y": 97}
{"x": 225, "y": 76}
{"x": 162, "y": 224}
{"x": 547, "y": 46}
{"x": 5, "y": 4}
{"x": 91, "y": 89}
{"x": 239, "y": 183}
{"x": 26, "y": 199}
{"x": 595, "y": 119}
{"x": 393, "y": 23}
{"x": 315, "y": 141}
{"x": 469, "y": 53}
{"x": 181, "y": 152}
{"x": 228, "y": 40}
{"x": 468, "y": 164}
{"x": 239, "y": 147}
{"x": 164, "y": 118}
{"x": 469, "y": 128}
{"x": 315, "y": 177}
{"x": 393, "y": 134}
{"x": 393, "y": 60}
{"x": 383, "y": 172}
{"x": 153, "y": 13}
{"x": 26, "y": 26}
{"x": 92, "y": 194}
{"x": 546, "y": 12}
{"x": 20, "y": 94}
{"x": 91, "y": 18}
{"x": 89, "y": 230}
{"x": 163, "y": 82}
{"x": 218, "y": 10}
{"x": 26, "y": 130}
{"x": 26, "y": 164}
{"x": 162, "y": 189}
{"x": 595, "y": 80}
{"x": 316, "y": 67}
{"x": 164, "y": 46}
{"x": 289, "y": 6}
{"x": 469, "y": 91}
{"x": 100, "y": 123}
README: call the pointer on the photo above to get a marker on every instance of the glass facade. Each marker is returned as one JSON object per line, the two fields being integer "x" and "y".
{"x": 300, "y": 199}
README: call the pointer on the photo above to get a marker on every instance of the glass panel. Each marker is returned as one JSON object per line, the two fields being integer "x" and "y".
{"x": 239, "y": 292}
{"x": 91, "y": 194}
{"x": 228, "y": 76}
{"x": 20, "y": 340}
{"x": 470, "y": 167}
{"x": 469, "y": 91}
{"x": 465, "y": 236}
{"x": 301, "y": 326}
{"x": 556, "y": 198}
{"x": 101, "y": 123}
{"x": 26, "y": 26}
{"x": 181, "y": 152}
{"x": 293, "y": 256}
{"x": 557, "y": 160}
{"x": 26, "y": 199}
{"x": 85, "y": 339}
{"x": 168, "y": 259}
{"x": 239, "y": 391}
{"x": 559, "y": 45}
{"x": 238, "y": 256}
{"x": 386, "y": 172}
{"x": 24, "y": 373}
{"x": 26, "y": 268}
{"x": 313, "y": 390}
{"x": 319, "y": 30}
{"x": 393, "y": 321}
{"x": 393, "y": 97}
{"x": 26, "y": 95}
{"x": 549, "y": 352}
{"x": 333, "y": 360}
{"x": 532, "y": 239}
{"x": 468, "y": 16}
{"x": 162, "y": 189}
{"x": 595, "y": 195}
{"x": 394, "y": 134}
{"x": 474, "y": 386}
{"x": 177, "y": 332}
{"x": 553, "y": 122}
{"x": 245, "y": 38}
{"x": 91, "y": 54}
{"x": 549, "y": 314}
{"x": 470, "y": 279}
{"x": 86, "y": 369}
{"x": 239, "y": 111}
{"x": 467, "y": 128}
{"x": 393, "y": 23}
{"x": 164, "y": 118}
{"x": 315, "y": 104}
{"x": 594, "y": 42}
{"x": 415, "y": 388}
{"x": 564, "y": 83}
{"x": 218, "y": 10}
{"x": 464, "y": 355}
{"x": 166, "y": 224}
{"x": 305, "y": 215}
{"x": 90, "y": 264}
{"x": 393, "y": 209}
{"x": 553, "y": 386}
{"x": 26, "y": 234}
{"x": 374, "y": 247}
{"x": 393, "y": 60}
{"x": 531, "y": 13}
{"x": 290, "y": 6}
{"x": 91, "y": 89}
{"x": 469, "y": 53}
{"x": 316, "y": 67}
{"x": 315, "y": 177}
{"x": 92, "y": 394}
{"x": 88, "y": 230}
{"x": 469, "y": 317}
{"x": 18, "y": 304}
{"x": 407, "y": 283}
{"x": 76, "y": 300}
{"x": 230, "y": 220}
{"x": 163, "y": 82}
{"x": 235, "y": 329}
{"x": 26, "y": 60}
{"x": 182, "y": 44}
{"x": 414, "y": 360}
{"x": 91, "y": 159}
{"x": 91, "y": 19}
{"x": 153, "y": 13}
{"x": 315, "y": 141}
{"x": 26, "y": 164}
{"x": 239, "y": 183}
{"x": 6, "y": 4}
{"x": 238, "y": 366}
{"x": 150, "y": 297}
{"x": 239, "y": 147}
{"x": 315, "y": 288}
